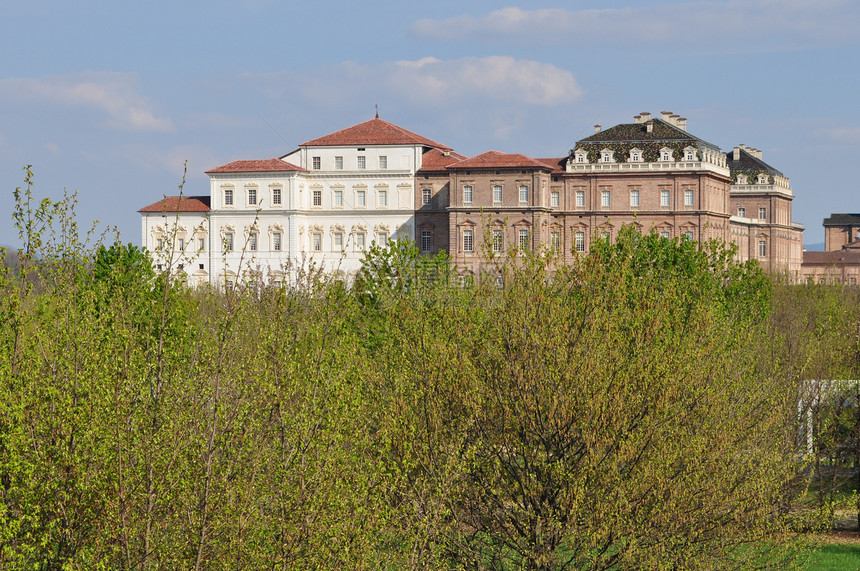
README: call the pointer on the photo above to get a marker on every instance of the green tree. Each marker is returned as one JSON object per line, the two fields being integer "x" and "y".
{"x": 617, "y": 413}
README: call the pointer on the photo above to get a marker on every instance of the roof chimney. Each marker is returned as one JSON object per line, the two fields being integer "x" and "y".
{"x": 637, "y": 118}
{"x": 682, "y": 123}
{"x": 649, "y": 126}
{"x": 756, "y": 153}
{"x": 597, "y": 128}
{"x": 645, "y": 116}
{"x": 666, "y": 115}
{"x": 736, "y": 154}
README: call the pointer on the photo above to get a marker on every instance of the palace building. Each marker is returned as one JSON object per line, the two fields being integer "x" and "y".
{"x": 323, "y": 204}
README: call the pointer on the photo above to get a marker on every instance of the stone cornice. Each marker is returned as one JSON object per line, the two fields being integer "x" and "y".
{"x": 647, "y": 167}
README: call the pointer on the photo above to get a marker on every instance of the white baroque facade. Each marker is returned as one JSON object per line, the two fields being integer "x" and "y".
{"x": 321, "y": 205}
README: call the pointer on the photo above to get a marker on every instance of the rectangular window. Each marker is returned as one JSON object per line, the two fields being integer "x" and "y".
{"x": 361, "y": 198}
{"x": 338, "y": 163}
{"x": 228, "y": 197}
{"x": 362, "y": 162}
{"x": 252, "y": 241}
{"x": 159, "y": 244}
{"x": 228, "y": 242}
{"x": 579, "y": 241}
{"x": 665, "y": 234}
{"x": 497, "y": 193}
{"x": 252, "y": 196}
{"x": 554, "y": 199}
{"x": 580, "y": 198}
{"x": 634, "y": 199}
{"x": 605, "y": 198}
{"x": 554, "y": 239}
{"x": 337, "y": 241}
{"x": 425, "y": 240}
{"x": 360, "y": 240}
{"x": 382, "y": 239}
{"x": 467, "y": 240}
{"x": 524, "y": 193}
{"x": 762, "y": 248}
{"x": 688, "y": 197}
{"x": 498, "y": 242}
{"x": 688, "y": 234}
{"x": 762, "y": 213}
{"x": 742, "y": 212}
{"x": 201, "y": 244}
{"x": 317, "y": 196}
{"x": 383, "y": 197}
{"x": 316, "y": 242}
{"x": 383, "y": 162}
{"x": 276, "y": 196}
{"x": 425, "y": 195}
{"x": 664, "y": 197}
{"x": 276, "y": 241}
{"x": 467, "y": 194}
{"x": 338, "y": 199}
{"x": 316, "y": 163}
{"x": 524, "y": 239}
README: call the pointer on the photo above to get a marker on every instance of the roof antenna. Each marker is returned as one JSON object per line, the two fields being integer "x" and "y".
{"x": 377, "y": 110}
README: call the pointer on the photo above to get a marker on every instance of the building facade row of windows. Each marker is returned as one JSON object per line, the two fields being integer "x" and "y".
{"x": 762, "y": 212}
{"x": 253, "y": 197}
{"x": 606, "y": 195}
{"x": 360, "y": 162}
{"x": 382, "y": 197}
{"x": 252, "y": 241}
{"x": 498, "y": 194}
{"x": 635, "y": 155}
{"x": 523, "y": 239}
{"x": 179, "y": 244}
{"x": 361, "y": 197}
{"x": 760, "y": 179}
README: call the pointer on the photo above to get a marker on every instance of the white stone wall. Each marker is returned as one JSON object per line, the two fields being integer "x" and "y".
{"x": 308, "y": 230}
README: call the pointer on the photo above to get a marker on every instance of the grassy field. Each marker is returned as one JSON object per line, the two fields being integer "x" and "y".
{"x": 840, "y": 552}
{"x": 836, "y": 557}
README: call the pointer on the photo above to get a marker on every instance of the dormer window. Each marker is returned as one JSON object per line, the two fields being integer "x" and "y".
{"x": 762, "y": 179}
{"x": 666, "y": 155}
{"x": 606, "y": 156}
{"x": 635, "y": 156}
{"x": 689, "y": 154}
{"x": 742, "y": 179}
{"x": 580, "y": 156}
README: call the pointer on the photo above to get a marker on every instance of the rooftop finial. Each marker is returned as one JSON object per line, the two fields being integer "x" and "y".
{"x": 377, "y": 110}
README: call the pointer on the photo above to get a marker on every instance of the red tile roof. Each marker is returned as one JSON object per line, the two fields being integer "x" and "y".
{"x": 557, "y": 165}
{"x": 373, "y": 132}
{"x": 179, "y": 204}
{"x": 437, "y": 160}
{"x": 267, "y": 165}
{"x": 833, "y": 258}
{"x": 495, "y": 159}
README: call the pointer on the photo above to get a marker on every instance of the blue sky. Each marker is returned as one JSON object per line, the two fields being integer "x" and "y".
{"x": 110, "y": 98}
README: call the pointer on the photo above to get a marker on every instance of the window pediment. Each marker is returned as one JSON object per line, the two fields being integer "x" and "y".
{"x": 667, "y": 154}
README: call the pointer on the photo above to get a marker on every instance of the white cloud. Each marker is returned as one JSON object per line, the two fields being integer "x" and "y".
{"x": 733, "y": 24}
{"x": 112, "y": 94}
{"x": 495, "y": 77}
{"x": 842, "y": 134}
{"x": 431, "y": 81}
{"x": 199, "y": 157}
